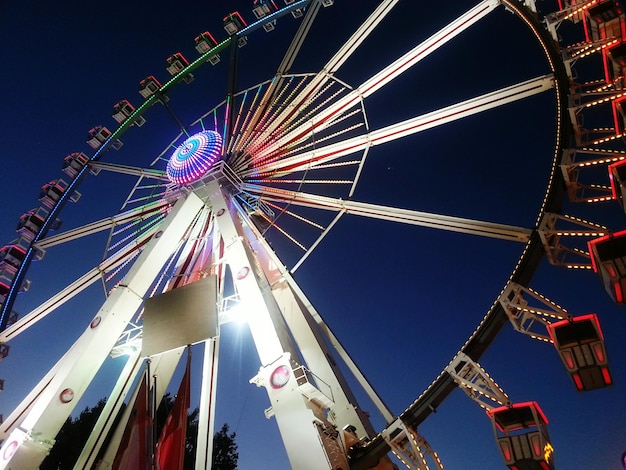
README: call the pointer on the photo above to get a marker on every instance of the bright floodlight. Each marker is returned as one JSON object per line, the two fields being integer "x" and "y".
{"x": 194, "y": 157}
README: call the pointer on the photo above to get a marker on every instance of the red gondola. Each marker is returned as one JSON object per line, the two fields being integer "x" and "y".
{"x": 580, "y": 344}
{"x": 522, "y": 435}
{"x": 608, "y": 258}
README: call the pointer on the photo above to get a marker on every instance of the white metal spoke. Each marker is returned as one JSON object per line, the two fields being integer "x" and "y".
{"x": 386, "y": 75}
{"x": 285, "y": 65}
{"x": 410, "y": 126}
{"x": 406, "y": 216}
{"x": 76, "y": 287}
{"x": 139, "y": 213}
{"x": 130, "y": 170}
{"x": 330, "y": 68}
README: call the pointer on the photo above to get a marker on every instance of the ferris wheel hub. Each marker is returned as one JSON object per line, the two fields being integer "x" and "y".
{"x": 195, "y": 157}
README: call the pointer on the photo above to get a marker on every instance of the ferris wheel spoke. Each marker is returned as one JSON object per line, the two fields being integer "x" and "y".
{"x": 331, "y": 67}
{"x": 464, "y": 109}
{"x": 276, "y": 85}
{"x": 384, "y": 76}
{"x": 139, "y": 213}
{"x": 246, "y": 126}
{"x": 130, "y": 251}
{"x": 317, "y": 241}
{"x": 130, "y": 170}
{"x": 414, "y": 125}
{"x": 405, "y": 216}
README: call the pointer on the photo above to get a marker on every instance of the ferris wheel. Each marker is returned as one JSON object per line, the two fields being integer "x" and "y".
{"x": 393, "y": 133}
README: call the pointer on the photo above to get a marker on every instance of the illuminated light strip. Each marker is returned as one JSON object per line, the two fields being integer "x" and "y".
{"x": 599, "y": 199}
{"x": 573, "y": 233}
{"x": 250, "y": 116}
{"x": 292, "y": 239}
{"x": 277, "y": 121}
{"x": 583, "y": 221}
{"x": 276, "y": 153}
{"x": 246, "y": 127}
{"x": 143, "y": 228}
{"x": 291, "y": 125}
{"x": 312, "y": 143}
{"x": 336, "y": 164}
{"x": 545, "y": 299}
{"x": 604, "y": 100}
{"x": 413, "y": 125}
{"x": 117, "y": 270}
{"x": 595, "y": 82}
{"x": 236, "y": 123}
{"x": 337, "y": 60}
{"x": 580, "y": 10}
{"x": 321, "y": 167}
{"x": 259, "y": 116}
{"x": 274, "y": 120}
{"x": 607, "y": 139}
{"x": 225, "y": 129}
{"x": 586, "y": 51}
{"x": 149, "y": 197}
{"x": 395, "y": 69}
{"x": 292, "y": 214}
{"x": 318, "y": 141}
{"x": 592, "y": 150}
{"x": 598, "y": 162}
{"x": 125, "y": 226}
{"x": 298, "y": 181}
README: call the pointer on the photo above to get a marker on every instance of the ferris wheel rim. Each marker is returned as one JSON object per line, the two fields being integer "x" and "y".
{"x": 532, "y": 254}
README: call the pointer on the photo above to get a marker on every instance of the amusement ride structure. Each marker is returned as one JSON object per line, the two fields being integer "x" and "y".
{"x": 196, "y": 242}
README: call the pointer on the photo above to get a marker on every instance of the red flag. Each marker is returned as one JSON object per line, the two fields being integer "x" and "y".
{"x": 132, "y": 453}
{"x": 170, "y": 450}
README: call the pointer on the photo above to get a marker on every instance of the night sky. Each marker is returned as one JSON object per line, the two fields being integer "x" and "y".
{"x": 402, "y": 299}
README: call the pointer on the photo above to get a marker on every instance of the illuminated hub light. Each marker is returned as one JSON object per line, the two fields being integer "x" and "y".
{"x": 194, "y": 157}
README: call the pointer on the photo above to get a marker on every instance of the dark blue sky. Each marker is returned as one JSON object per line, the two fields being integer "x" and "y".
{"x": 403, "y": 300}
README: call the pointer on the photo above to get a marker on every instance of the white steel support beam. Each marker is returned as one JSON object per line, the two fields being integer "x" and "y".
{"x": 206, "y": 417}
{"x": 56, "y": 401}
{"x": 131, "y": 170}
{"x": 267, "y": 341}
{"x": 296, "y": 310}
{"x": 76, "y": 287}
{"x": 571, "y": 228}
{"x": 162, "y": 366}
{"x": 300, "y": 422}
{"x": 530, "y": 319}
{"x": 406, "y": 216}
{"x": 475, "y": 381}
{"x": 386, "y": 75}
{"x": 139, "y": 213}
{"x": 410, "y": 126}
{"x": 111, "y": 409}
{"x": 409, "y": 446}
{"x": 286, "y": 277}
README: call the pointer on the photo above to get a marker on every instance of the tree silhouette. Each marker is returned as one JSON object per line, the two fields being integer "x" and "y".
{"x": 76, "y": 431}
{"x": 71, "y": 439}
{"x": 225, "y": 455}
